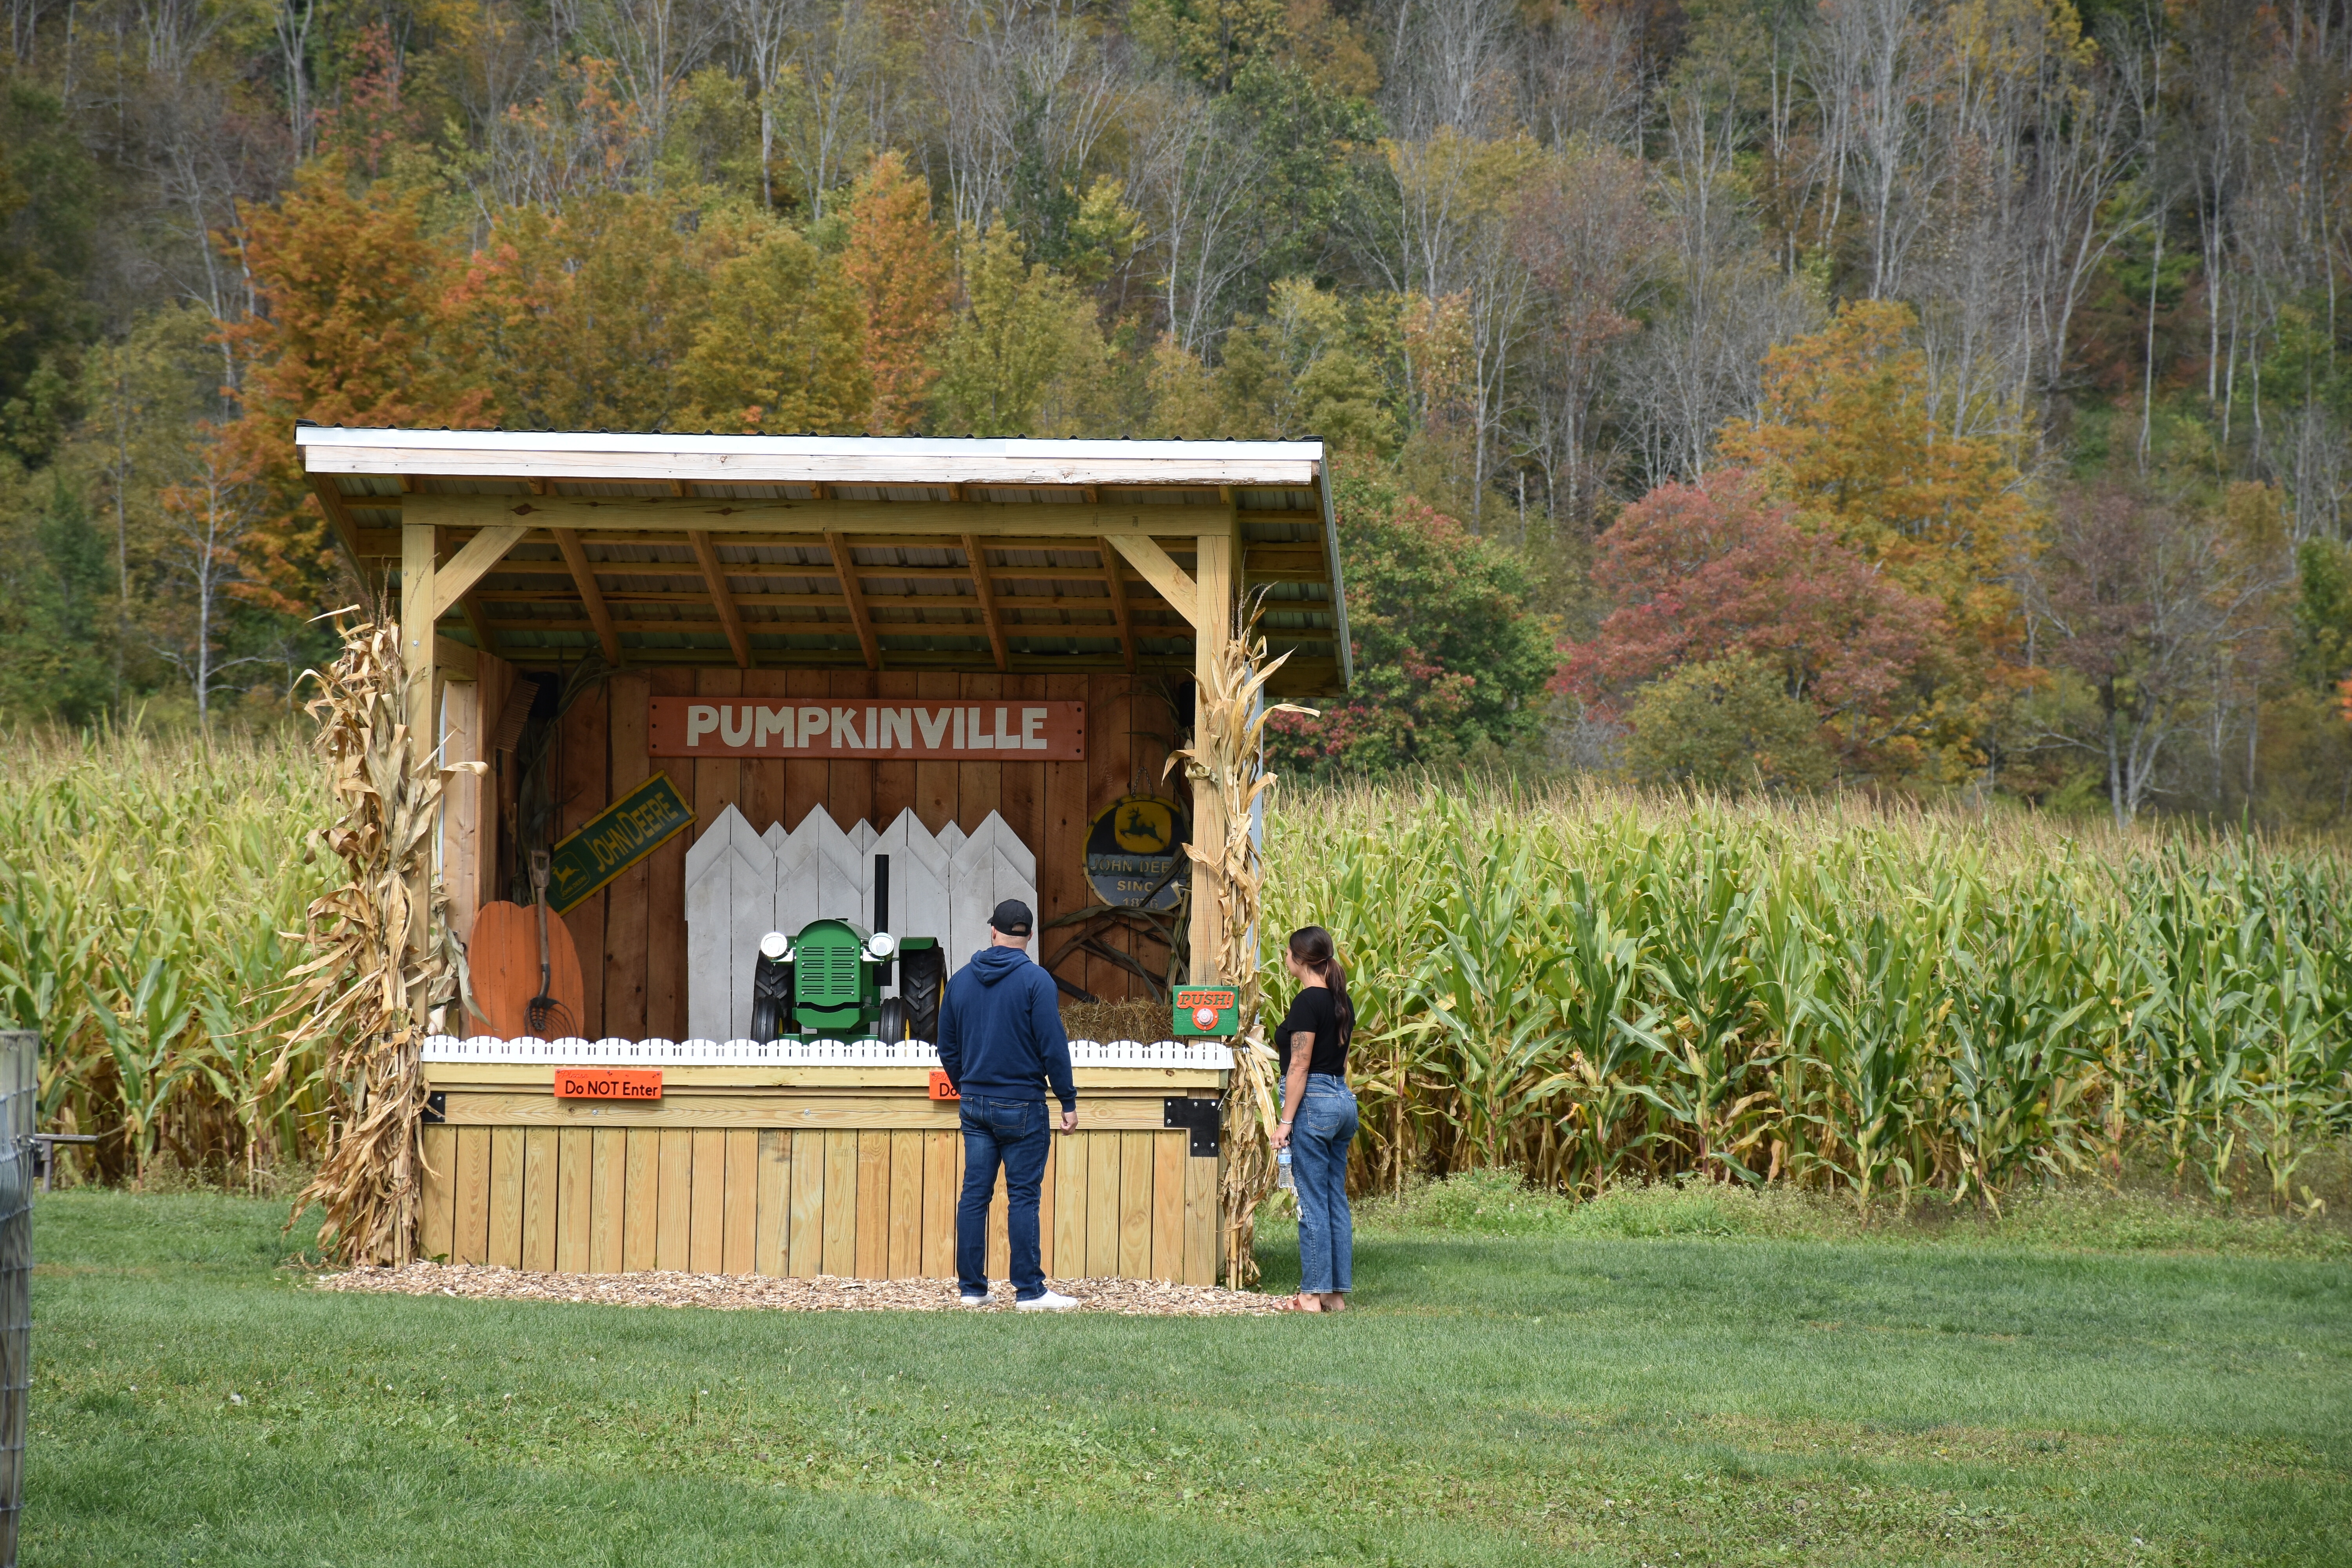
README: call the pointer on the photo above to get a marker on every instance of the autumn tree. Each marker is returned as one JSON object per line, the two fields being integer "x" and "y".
{"x": 353, "y": 326}
{"x": 902, "y": 273}
{"x": 1704, "y": 573}
{"x": 1855, "y": 435}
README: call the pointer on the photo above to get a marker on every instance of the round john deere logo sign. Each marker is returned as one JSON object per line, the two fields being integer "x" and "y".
{"x": 1132, "y": 849}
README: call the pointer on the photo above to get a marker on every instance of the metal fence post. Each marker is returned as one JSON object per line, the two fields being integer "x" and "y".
{"x": 19, "y": 1090}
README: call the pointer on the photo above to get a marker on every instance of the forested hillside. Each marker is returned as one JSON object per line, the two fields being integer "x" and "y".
{"x": 1944, "y": 396}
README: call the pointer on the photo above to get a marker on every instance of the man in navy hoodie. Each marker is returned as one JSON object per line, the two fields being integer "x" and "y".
{"x": 1001, "y": 1041}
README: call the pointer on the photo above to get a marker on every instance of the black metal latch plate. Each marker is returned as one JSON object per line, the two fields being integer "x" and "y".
{"x": 436, "y": 1106}
{"x": 1201, "y": 1117}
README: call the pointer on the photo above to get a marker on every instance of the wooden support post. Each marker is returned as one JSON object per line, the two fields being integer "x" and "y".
{"x": 575, "y": 557}
{"x": 855, "y": 591}
{"x": 1115, "y": 578}
{"x": 1213, "y": 575}
{"x": 417, "y": 604}
{"x": 978, "y": 561}
{"x": 722, "y": 598}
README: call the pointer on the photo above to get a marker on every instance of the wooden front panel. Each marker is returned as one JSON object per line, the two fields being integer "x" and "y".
{"x": 873, "y": 1203}
{"x": 437, "y": 1193}
{"x": 631, "y": 936}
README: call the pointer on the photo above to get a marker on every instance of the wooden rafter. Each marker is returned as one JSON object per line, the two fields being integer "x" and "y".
{"x": 1115, "y": 580}
{"x": 976, "y": 560}
{"x": 722, "y": 598}
{"x": 345, "y": 527}
{"x": 854, "y": 593}
{"x": 585, "y": 578}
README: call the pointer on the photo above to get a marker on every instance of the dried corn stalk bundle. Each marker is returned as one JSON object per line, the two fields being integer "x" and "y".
{"x": 1226, "y": 757}
{"x": 363, "y": 1002}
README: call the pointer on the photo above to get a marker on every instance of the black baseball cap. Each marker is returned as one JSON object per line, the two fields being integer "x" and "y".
{"x": 1010, "y": 918}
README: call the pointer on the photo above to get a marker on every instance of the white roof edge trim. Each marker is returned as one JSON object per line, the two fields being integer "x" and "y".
{"x": 654, "y": 444}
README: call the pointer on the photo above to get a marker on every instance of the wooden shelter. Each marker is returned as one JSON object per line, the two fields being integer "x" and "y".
{"x": 728, "y": 576}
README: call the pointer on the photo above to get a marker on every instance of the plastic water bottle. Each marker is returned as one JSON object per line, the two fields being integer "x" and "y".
{"x": 1282, "y": 1170}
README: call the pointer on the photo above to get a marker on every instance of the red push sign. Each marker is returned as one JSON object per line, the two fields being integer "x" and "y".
{"x": 990, "y": 731}
{"x": 608, "y": 1083}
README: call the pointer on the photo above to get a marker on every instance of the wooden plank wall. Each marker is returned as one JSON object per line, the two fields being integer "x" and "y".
{"x": 637, "y": 925}
{"x": 871, "y": 1204}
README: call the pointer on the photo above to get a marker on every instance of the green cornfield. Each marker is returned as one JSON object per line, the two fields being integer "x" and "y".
{"x": 1588, "y": 985}
{"x": 1592, "y": 986}
{"x": 147, "y": 888}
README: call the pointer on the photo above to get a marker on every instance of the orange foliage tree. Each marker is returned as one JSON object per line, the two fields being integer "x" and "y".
{"x": 1852, "y": 437}
{"x": 900, "y": 267}
{"x": 350, "y": 327}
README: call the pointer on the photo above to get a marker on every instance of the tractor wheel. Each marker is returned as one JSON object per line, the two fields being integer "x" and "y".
{"x": 923, "y": 978}
{"x": 891, "y": 1027}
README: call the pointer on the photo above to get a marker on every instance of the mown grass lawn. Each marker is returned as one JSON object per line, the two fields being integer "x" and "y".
{"x": 1563, "y": 1397}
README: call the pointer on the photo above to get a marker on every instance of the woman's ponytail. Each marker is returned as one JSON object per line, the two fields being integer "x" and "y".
{"x": 1311, "y": 946}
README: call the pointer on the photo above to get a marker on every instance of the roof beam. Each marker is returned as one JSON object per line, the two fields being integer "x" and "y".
{"x": 1174, "y": 584}
{"x": 1115, "y": 579}
{"x": 715, "y": 514}
{"x": 722, "y": 599}
{"x": 856, "y": 595}
{"x": 585, "y": 578}
{"x": 976, "y": 560}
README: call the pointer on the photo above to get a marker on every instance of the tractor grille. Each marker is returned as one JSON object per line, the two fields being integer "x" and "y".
{"x": 828, "y": 974}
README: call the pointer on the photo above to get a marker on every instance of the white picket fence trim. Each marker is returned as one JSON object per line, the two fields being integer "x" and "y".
{"x": 573, "y": 1051}
{"x": 741, "y": 884}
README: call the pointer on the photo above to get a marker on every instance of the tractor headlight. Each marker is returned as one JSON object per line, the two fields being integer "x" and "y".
{"x": 776, "y": 945}
{"x": 881, "y": 945}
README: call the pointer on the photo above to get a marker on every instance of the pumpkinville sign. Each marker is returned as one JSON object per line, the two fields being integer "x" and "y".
{"x": 991, "y": 731}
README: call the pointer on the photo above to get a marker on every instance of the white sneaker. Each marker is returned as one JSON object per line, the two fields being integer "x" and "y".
{"x": 1051, "y": 1301}
{"x": 973, "y": 1300}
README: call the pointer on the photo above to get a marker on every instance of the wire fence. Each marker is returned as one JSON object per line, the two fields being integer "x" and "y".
{"x": 19, "y": 1094}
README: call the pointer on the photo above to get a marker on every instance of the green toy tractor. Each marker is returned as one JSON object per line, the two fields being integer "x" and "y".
{"x": 826, "y": 982}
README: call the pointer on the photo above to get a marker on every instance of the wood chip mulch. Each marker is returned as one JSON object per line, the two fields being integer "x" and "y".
{"x": 758, "y": 1292}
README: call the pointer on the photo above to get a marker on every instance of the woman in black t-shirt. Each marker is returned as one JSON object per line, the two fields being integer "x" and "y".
{"x": 1319, "y": 1119}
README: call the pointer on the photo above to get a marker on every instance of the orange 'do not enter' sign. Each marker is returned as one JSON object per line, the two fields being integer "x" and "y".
{"x": 608, "y": 1083}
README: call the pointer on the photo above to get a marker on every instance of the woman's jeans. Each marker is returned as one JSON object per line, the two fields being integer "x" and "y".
{"x": 1015, "y": 1132}
{"x": 1321, "y": 1131}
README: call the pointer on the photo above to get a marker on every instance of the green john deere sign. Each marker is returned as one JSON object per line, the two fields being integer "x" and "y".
{"x": 614, "y": 839}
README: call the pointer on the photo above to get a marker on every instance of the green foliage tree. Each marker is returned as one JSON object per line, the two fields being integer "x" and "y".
{"x": 1025, "y": 357}
{"x": 49, "y": 215}
{"x": 781, "y": 346}
{"x": 1447, "y": 655}
{"x": 55, "y": 605}
{"x": 1725, "y": 723}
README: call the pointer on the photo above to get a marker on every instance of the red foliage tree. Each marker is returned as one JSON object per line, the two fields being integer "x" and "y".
{"x": 1703, "y": 570}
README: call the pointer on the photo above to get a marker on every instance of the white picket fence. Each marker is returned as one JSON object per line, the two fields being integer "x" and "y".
{"x": 741, "y": 885}
{"x": 572, "y": 1051}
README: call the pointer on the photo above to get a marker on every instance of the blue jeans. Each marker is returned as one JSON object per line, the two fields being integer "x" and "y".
{"x": 1320, "y": 1136}
{"x": 1015, "y": 1131}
